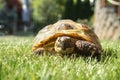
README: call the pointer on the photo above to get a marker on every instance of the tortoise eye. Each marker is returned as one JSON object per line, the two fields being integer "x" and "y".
{"x": 59, "y": 40}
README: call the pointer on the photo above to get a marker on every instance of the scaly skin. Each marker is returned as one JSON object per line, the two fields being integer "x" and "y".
{"x": 87, "y": 48}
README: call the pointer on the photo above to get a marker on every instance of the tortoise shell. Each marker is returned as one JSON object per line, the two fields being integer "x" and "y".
{"x": 50, "y": 33}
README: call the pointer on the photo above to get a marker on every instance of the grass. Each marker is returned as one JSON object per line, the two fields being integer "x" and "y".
{"x": 17, "y": 63}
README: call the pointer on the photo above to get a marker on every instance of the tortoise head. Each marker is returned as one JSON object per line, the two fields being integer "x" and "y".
{"x": 64, "y": 45}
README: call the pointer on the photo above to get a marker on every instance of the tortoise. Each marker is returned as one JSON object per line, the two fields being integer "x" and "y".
{"x": 67, "y": 37}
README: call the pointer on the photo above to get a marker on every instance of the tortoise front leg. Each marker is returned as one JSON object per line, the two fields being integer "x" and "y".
{"x": 38, "y": 51}
{"x": 87, "y": 48}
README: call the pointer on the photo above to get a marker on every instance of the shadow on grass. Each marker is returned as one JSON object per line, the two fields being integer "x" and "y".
{"x": 70, "y": 56}
{"x": 110, "y": 52}
{"x": 105, "y": 55}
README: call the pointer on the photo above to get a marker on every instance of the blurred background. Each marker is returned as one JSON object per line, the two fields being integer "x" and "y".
{"x": 21, "y": 17}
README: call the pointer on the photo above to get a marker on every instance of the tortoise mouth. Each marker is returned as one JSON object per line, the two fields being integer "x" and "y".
{"x": 66, "y": 51}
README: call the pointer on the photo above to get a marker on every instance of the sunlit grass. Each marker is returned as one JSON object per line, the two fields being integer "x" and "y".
{"x": 17, "y": 63}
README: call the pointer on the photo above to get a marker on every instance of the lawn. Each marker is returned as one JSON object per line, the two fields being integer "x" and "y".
{"x": 17, "y": 63}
